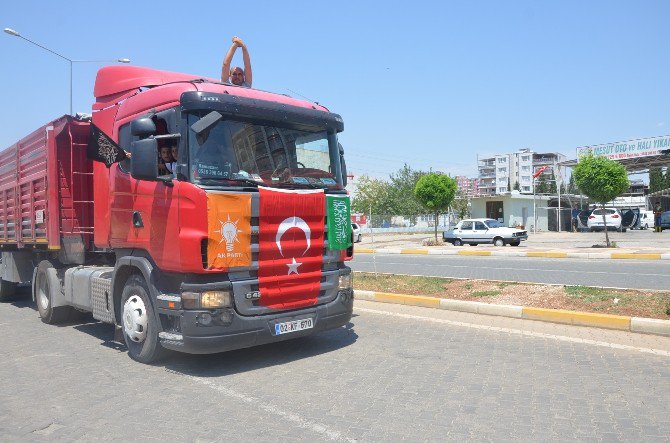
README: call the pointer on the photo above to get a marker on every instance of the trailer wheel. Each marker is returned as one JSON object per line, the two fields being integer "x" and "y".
{"x": 46, "y": 280}
{"x": 7, "y": 290}
{"x": 140, "y": 330}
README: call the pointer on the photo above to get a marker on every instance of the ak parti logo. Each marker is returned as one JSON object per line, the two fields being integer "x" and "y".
{"x": 229, "y": 232}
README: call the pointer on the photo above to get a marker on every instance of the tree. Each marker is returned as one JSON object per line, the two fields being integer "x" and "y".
{"x": 572, "y": 189}
{"x": 460, "y": 205}
{"x": 541, "y": 185}
{"x": 552, "y": 184}
{"x": 401, "y": 193}
{"x": 516, "y": 186}
{"x": 666, "y": 181}
{"x": 435, "y": 192}
{"x": 656, "y": 181}
{"x": 371, "y": 194}
{"x": 601, "y": 179}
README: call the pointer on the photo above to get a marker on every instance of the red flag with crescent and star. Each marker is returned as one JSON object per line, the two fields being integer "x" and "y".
{"x": 290, "y": 238}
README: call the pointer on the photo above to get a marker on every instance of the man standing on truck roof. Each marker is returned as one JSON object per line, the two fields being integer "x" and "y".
{"x": 237, "y": 75}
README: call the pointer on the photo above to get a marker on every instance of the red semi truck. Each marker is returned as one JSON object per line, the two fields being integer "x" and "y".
{"x": 241, "y": 245}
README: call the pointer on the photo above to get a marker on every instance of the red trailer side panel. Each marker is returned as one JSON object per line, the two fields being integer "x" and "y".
{"x": 46, "y": 187}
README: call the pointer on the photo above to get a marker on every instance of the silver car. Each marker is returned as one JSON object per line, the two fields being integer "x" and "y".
{"x": 484, "y": 230}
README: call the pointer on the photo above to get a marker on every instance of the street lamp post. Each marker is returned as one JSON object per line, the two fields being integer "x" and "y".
{"x": 69, "y": 60}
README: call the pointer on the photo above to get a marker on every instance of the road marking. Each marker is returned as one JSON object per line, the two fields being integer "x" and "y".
{"x": 520, "y": 332}
{"x": 301, "y": 422}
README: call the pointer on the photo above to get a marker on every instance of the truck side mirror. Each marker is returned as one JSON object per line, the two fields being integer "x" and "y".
{"x": 343, "y": 165}
{"x": 144, "y": 159}
{"x": 142, "y": 127}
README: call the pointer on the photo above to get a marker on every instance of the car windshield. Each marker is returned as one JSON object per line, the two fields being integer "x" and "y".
{"x": 233, "y": 151}
{"x": 605, "y": 211}
{"x": 493, "y": 223}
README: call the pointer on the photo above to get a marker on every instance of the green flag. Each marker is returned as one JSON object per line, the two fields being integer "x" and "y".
{"x": 339, "y": 222}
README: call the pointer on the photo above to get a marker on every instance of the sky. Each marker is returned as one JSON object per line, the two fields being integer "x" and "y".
{"x": 430, "y": 84}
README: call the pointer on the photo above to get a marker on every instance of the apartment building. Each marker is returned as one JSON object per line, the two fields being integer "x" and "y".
{"x": 468, "y": 187}
{"x": 502, "y": 173}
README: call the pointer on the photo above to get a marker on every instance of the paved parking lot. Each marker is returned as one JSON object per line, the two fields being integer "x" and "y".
{"x": 395, "y": 373}
{"x": 638, "y": 240}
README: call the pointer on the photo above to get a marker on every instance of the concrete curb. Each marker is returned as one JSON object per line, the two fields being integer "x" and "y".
{"x": 577, "y": 318}
{"x": 517, "y": 253}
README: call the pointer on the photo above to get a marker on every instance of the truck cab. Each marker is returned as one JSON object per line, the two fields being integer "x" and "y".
{"x": 234, "y": 247}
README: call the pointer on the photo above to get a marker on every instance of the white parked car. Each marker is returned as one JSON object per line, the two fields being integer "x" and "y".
{"x": 484, "y": 230}
{"x": 646, "y": 220}
{"x": 356, "y": 231}
{"x": 612, "y": 218}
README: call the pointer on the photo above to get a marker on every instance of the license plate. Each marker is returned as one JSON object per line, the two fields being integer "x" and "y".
{"x": 293, "y": 326}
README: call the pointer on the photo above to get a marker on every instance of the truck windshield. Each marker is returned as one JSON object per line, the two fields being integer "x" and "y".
{"x": 231, "y": 152}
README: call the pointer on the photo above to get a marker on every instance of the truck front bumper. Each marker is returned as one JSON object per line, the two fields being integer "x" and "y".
{"x": 244, "y": 332}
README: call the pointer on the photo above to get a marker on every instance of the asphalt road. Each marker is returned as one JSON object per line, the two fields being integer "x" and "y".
{"x": 395, "y": 373}
{"x": 639, "y": 274}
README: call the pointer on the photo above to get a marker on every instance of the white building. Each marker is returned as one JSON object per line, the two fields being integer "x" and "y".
{"x": 502, "y": 172}
{"x": 513, "y": 209}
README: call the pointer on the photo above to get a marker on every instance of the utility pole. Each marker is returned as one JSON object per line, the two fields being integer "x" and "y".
{"x": 558, "y": 189}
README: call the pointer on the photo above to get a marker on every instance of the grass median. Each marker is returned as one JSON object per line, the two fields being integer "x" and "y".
{"x": 630, "y": 302}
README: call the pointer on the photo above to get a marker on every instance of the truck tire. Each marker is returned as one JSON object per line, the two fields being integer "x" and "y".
{"x": 138, "y": 322}
{"x": 7, "y": 290}
{"x": 515, "y": 243}
{"x": 457, "y": 242}
{"x": 46, "y": 280}
{"x": 498, "y": 241}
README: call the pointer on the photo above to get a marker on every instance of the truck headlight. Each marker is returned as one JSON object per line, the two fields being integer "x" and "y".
{"x": 215, "y": 299}
{"x": 345, "y": 282}
{"x": 206, "y": 300}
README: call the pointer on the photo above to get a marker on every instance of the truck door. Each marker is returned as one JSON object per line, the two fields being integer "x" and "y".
{"x": 144, "y": 214}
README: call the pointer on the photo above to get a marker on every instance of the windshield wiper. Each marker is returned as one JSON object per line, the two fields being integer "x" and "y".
{"x": 244, "y": 180}
{"x": 238, "y": 180}
{"x": 310, "y": 185}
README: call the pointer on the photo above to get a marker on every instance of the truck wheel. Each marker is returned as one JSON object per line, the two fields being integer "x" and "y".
{"x": 457, "y": 242}
{"x": 140, "y": 330}
{"x": 498, "y": 241}
{"x": 46, "y": 280}
{"x": 7, "y": 290}
{"x": 515, "y": 243}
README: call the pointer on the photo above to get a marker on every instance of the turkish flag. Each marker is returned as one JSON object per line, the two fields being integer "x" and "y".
{"x": 290, "y": 238}
{"x": 539, "y": 171}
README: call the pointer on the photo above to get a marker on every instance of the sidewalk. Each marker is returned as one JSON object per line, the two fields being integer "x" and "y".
{"x": 640, "y": 245}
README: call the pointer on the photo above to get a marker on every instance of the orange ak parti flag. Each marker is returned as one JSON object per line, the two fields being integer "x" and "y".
{"x": 229, "y": 228}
